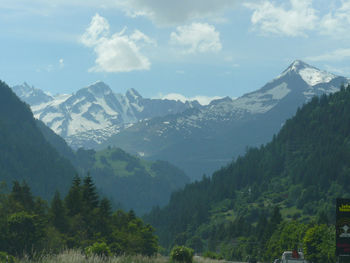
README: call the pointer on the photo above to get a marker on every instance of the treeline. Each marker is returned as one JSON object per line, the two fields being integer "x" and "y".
{"x": 29, "y": 225}
{"x": 239, "y": 240}
{"x": 133, "y": 182}
{"x": 302, "y": 170}
{"x": 24, "y": 152}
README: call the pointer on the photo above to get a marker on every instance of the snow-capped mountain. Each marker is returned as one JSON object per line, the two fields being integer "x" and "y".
{"x": 31, "y": 95}
{"x": 94, "y": 113}
{"x": 201, "y": 140}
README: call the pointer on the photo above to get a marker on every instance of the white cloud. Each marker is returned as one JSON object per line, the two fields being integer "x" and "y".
{"x": 290, "y": 20}
{"x": 118, "y": 52}
{"x": 170, "y": 12}
{"x": 61, "y": 63}
{"x": 197, "y": 38}
{"x": 203, "y": 100}
{"x": 138, "y": 36}
{"x": 50, "y": 68}
{"x": 337, "y": 21}
{"x": 98, "y": 30}
{"x": 335, "y": 55}
{"x": 343, "y": 71}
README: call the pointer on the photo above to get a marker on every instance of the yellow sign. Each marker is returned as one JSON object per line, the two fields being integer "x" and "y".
{"x": 344, "y": 208}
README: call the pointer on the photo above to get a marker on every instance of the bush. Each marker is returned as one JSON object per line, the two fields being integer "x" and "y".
{"x": 4, "y": 257}
{"x": 212, "y": 255}
{"x": 98, "y": 248}
{"x": 181, "y": 254}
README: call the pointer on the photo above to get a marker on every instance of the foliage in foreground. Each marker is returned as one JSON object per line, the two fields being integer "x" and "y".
{"x": 77, "y": 256}
{"x": 81, "y": 220}
{"x": 181, "y": 254}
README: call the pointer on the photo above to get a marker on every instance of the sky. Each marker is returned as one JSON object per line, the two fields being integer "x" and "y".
{"x": 166, "y": 48}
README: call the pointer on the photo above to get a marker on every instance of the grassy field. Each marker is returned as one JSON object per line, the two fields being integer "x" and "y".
{"x": 74, "y": 256}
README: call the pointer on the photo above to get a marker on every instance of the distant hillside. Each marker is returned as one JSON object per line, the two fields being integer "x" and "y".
{"x": 24, "y": 152}
{"x": 130, "y": 181}
{"x": 203, "y": 139}
{"x": 134, "y": 183}
{"x": 301, "y": 171}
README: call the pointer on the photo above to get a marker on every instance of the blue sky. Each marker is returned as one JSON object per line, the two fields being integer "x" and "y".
{"x": 159, "y": 47}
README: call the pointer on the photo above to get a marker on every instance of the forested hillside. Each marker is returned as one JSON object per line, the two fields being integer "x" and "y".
{"x": 131, "y": 182}
{"x": 298, "y": 174}
{"x": 24, "y": 152}
{"x": 134, "y": 183}
{"x": 29, "y": 226}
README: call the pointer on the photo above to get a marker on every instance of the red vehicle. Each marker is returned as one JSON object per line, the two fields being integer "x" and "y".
{"x": 293, "y": 257}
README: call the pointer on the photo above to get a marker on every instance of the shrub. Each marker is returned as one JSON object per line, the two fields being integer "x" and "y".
{"x": 98, "y": 248}
{"x": 212, "y": 255}
{"x": 181, "y": 254}
{"x": 4, "y": 257}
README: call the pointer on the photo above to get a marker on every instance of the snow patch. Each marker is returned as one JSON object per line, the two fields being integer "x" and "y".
{"x": 261, "y": 102}
{"x": 313, "y": 76}
{"x": 278, "y": 92}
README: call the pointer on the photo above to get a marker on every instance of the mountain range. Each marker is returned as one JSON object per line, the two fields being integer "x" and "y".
{"x": 197, "y": 138}
{"x": 200, "y": 140}
{"x": 89, "y": 116}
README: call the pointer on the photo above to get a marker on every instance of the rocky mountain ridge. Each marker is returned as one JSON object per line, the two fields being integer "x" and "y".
{"x": 94, "y": 113}
{"x": 201, "y": 140}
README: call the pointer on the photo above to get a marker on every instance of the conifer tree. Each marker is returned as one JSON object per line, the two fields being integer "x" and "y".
{"x": 73, "y": 200}
{"x": 58, "y": 216}
{"x": 22, "y": 195}
{"x": 90, "y": 196}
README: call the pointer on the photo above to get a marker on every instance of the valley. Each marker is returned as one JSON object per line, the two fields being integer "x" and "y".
{"x": 189, "y": 131}
{"x": 288, "y": 183}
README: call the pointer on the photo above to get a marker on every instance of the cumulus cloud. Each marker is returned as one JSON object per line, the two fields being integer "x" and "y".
{"x": 337, "y": 21}
{"x": 335, "y": 55}
{"x": 170, "y": 12}
{"x": 203, "y": 100}
{"x": 118, "y": 52}
{"x": 290, "y": 20}
{"x": 197, "y": 38}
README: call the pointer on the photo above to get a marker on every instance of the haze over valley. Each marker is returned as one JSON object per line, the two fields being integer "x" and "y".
{"x": 175, "y": 131}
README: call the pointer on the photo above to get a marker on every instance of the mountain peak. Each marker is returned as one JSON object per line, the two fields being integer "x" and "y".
{"x": 31, "y": 95}
{"x": 99, "y": 88}
{"x": 310, "y": 74}
{"x": 133, "y": 95}
{"x": 298, "y": 65}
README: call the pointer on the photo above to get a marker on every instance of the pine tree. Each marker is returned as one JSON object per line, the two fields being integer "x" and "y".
{"x": 90, "y": 196}
{"x": 22, "y": 195}
{"x": 73, "y": 200}
{"x": 58, "y": 216}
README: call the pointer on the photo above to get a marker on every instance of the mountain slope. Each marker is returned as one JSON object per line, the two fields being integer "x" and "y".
{"x": 130, "y": 181}
{"x": 134, "y": 183}
{"x": 92, "y": 114}
{"x": 301, "y": 171}
{"x": 31, "y": 95}
{"x": 202, "y": 140}
{"x": 24, "y": 152}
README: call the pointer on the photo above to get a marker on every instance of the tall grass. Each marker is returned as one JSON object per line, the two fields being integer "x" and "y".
{"x": 76, "y": 256}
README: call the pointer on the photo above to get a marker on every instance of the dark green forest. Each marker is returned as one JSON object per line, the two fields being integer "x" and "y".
{"x": 82, "y": 219}
{"x": 299, "y": 174}
{"x": 134, "y": 183}
{"x": 24, "y": 152}
{"x": 130, "y": 182}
